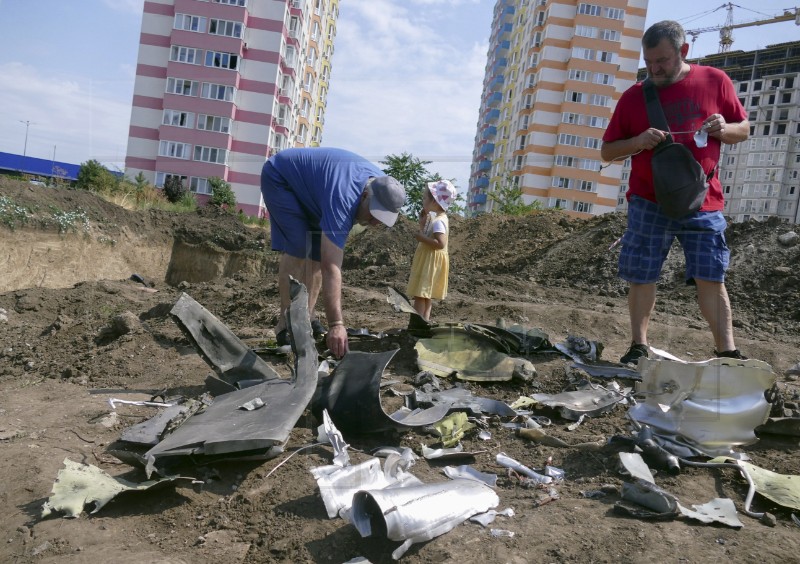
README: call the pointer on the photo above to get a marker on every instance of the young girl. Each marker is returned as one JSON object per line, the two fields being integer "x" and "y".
{"x": 431, "y": 265}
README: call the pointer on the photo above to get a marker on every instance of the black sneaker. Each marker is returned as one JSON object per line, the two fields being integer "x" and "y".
{"x": 634, "y": 353}
{"x": 318, "y": 329}
{"x": 730, "y": 354}
{"x": 282, "y": 338}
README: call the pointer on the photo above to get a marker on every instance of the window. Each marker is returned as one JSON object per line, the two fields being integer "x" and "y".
{"x": 586, "y": 186}
{"x": 231, "y": 2}
{"x": 754, "y": 101}
{"x": 182, "y": 87}
{"x": 586, "y": 31}
{"x": 598, "y": 100}
{"x": 606, "y": 56}
{"x": 780, "y": 129}
{"x": 226, "y": 28}
{"x": 162, "y": 177}
{"x": 174, "y": 149}
{"x": 571, "y": 96}
{"x": 565, "y": 161}
{"x": 568, "y": 139}
{"x": 584, "y": 207}
{"x": 614, "y": 13}
{"x": 577, "y": 74}
{"x": 569, "y": 117}
{"x": 786, "y": 98}
{"x": 757, "y": 85}
{"x": 210, "y": 155}
{"x": 178, "y": 118}
{"x": 742, "y": 87}
{"x": 595, "y": 121}
{"x": 602, "y": 78}
{"x": 214, "y": 123}
{"x": 591, "y": 143}
{"x": 788, "y": 82}
{"x": 190, "y": 23}
{"x": 589, "y": 9}
{"x": 610, "y": 35}
{"x": 561, "y": 182}
{"x": 199, "y": 185}
{"x": 187, "y": 55}
{"x": 217, "y": 92}
{"x": 584, "y": 53}
{"x": 222, "y": 60}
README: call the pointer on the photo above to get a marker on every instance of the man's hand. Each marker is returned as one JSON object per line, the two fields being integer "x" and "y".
{"x": 715, "y": 125}
{"x": 649, "y": 138}
{"x": 337, "y": 341}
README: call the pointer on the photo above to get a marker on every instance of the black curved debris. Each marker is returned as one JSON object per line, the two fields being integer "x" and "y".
{"x": 223, "y": 429}
{"x": 352, "y": 397}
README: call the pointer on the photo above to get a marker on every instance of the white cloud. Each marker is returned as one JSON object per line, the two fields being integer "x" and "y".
{"x": 127, "y": 6}
{"x": 76, "y": 116}
{"x": 398, "y": 85}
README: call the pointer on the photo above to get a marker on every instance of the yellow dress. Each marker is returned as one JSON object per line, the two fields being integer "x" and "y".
{"x": 430, "y": 267}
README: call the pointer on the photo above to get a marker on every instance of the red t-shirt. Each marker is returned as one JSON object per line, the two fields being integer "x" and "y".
{"x": 687, "y": 103}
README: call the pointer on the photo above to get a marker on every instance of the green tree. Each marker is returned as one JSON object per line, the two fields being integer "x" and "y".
{"x": 174, "y": 190}
{"x": 95, "y": 177}
{"x": 413, "y": 174}
{"x": 222, "y": 196}
{"x": 508, "y": 199}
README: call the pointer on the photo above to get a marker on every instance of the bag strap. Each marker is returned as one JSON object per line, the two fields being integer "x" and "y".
{"x": 655, "y": 113}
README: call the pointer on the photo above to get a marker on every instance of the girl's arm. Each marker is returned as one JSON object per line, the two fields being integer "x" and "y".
{"x": 438, "y": 241}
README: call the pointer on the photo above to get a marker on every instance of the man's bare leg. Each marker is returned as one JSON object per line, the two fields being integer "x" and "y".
{"x": 296, "y": 268}
{"x": 641, "y": 301}
{"x": 716, "y": 308}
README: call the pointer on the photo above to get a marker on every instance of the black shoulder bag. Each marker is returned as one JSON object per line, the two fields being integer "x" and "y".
{"x": 678, "y": 179}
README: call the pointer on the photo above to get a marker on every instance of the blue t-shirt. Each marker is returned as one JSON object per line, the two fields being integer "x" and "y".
{"x": 328, "y": 184}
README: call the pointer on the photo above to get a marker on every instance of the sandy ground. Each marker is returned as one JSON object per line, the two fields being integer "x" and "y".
{"x": 62, "y": 287}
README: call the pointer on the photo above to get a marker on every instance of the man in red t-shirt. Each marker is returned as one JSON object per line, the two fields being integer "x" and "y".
{"x": 695, "y": 99}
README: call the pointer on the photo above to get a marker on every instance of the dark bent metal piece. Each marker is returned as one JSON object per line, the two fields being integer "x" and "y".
{"x": 352, "y": 396}
{"x": 222, "y": 428}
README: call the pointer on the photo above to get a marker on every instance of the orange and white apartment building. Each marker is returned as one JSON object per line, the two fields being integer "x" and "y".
{"x": 554, "y": 72}
{"x": 223, "y": 84}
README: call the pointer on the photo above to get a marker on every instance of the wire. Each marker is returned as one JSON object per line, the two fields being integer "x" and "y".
{"x": 623, "y": 157}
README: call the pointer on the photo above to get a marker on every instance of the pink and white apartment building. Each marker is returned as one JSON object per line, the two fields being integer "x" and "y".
{"x": 223, "y": 84}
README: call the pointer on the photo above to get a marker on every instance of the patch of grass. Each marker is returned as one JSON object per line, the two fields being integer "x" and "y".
{"x": 12, "y": 214}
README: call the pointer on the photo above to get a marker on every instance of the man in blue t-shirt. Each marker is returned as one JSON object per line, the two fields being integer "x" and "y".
{"x": 314, "y": 197}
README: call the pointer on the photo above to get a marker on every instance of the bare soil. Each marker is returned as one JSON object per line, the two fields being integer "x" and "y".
{"x": 61, "y": 360}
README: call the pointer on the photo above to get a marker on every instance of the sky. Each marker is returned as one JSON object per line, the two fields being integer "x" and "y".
{"x": 406, "y": 76}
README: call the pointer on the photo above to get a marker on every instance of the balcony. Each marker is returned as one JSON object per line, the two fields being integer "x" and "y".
{"x": 487, "y": 149}
{"x": 484, "y": 165}
{"x": 494, "y": 99}
{"x": 482, "y": 182}
{"x": 492, "y": 116}
{"x": 498, "y": 66}
{"x": 497, "y": 83}
{"x": 504, "y": 31}
{"x": 489, "y": 132}
{"x": 479, "y": 199}
{"x": 502, "y": 47}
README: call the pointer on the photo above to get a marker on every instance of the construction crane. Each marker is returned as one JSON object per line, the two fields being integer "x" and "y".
{"x": 726, "y": 29}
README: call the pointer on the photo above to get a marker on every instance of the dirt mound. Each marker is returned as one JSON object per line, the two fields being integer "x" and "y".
{"x": 76, "y": 329}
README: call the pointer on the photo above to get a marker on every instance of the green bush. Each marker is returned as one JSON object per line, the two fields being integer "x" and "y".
{"x": 222, "y": 196}
{"x": 174, "y": 190}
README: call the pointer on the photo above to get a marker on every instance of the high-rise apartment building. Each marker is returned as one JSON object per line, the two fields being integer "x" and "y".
{"x": 760, "y": 177}
{"x": 223, "y": 84}
{"x": 554, "y": 71}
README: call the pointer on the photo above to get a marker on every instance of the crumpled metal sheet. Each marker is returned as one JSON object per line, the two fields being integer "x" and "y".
{"x": 222, "y": 428}
{"x": 587, "y": 401}
{"x": 79, "y": 485}
{"x": 352, "y": 397}
{"x": 418, "y": 513}
{"x": 712, "y": 405}
{"x": 463, "y": 399}
{"x": 464, "y": 353}
{"x": 718, "y": 510}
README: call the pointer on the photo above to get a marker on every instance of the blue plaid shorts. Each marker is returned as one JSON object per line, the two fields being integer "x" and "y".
{"x": 649, "y": 236}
